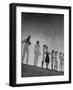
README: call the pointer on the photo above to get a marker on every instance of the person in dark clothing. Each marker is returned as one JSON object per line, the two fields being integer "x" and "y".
{"x": 43, "y": 58}
{"x": 47, "y": 59}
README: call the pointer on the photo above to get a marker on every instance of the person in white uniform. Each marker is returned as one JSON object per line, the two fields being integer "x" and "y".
{"x": 62, "y": 62}
{"x": 56, "y": 60}
{"x": 26, "y": 49}
{"x": 60, "y": 58}
{"x": 36, "y": 53}
{"x": 52, "y": 59}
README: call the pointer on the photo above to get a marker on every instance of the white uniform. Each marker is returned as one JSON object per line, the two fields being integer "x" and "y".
{"x": 52, "y": 61}
{"x": 25, "y": 53}
{"x": 62, "y": 62}
{"x": 56, "y": 62}
{"x": 60, "y": 65}
{"x": 37, "y": 53}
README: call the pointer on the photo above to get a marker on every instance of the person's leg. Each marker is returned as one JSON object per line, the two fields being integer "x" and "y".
{"x": 63, "y": 67}
{"x": 46, "y": 65}
{"x": 60, "y": 66}
{"x": 56, "y": 65}
{"x": 42, "y": 63}
{"x": 51, "y": 64}
{"x": 23, "y": 55}
{"x": 37, "y": 59}
{"x": 27, "y": 57}
{"x": 34, "y": 59}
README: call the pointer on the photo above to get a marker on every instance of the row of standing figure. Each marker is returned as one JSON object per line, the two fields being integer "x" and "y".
{"x": 37, "y": 54}
{"x": 56, "y": 59}
{"x": 45, "y": 58}
{"x": 45, "y": 55}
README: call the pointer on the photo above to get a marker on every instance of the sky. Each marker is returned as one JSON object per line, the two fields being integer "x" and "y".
{"x": 47, "y": 28}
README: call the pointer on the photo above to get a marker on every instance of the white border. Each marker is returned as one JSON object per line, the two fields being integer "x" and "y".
{"x": 19, "y": 79}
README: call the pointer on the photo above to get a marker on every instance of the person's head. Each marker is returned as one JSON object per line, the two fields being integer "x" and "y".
{"x": 47, "y": 48}
{"x": 60, "y": 53}
{"x": 56, "y": 52}
{"x": 37, "y": 42}
{"x": 53, "y": 51}
{"x": 44, "y": 45}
